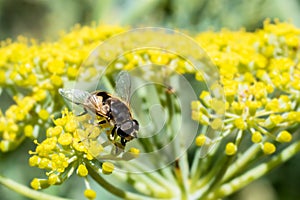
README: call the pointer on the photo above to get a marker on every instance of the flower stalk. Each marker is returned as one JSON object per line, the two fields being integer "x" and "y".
{"x": 26, "y": 191}
{"x": 255, "y": 173}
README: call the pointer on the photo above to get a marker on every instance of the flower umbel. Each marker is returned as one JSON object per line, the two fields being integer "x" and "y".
{"x": 68, "y": 148}
{"x": 260, "y": 75}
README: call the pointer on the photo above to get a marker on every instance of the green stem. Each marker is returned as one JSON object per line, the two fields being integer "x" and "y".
{"x": 257, "y": 172}
{"x": 25, "y": 191}
{"x": 216, "y": 180}
{"x": 213, "y": 179}
{"x": 241, "y": 162}
{"x": 168, "y": 174}
{"x": 184, "y": 167}
{"x": 201, "y": 171}
{"x": 95, "y": 174}
{"x": 160, "y": 181}
{"x": 183, "y": 164}
{"x": 196, "y": 165}
{"x": 239, "y": 138}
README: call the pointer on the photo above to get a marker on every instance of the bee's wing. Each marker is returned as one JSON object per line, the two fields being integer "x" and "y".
{"x": 123, "y": 86}
{"x": 74, "y": 95}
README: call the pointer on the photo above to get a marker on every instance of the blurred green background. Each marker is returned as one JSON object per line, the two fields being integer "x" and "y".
{"x": 44, "y": 19}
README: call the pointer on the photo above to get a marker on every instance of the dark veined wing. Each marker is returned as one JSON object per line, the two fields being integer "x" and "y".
{"x": 74, "y": 95}
{"x": 123, "y": 86}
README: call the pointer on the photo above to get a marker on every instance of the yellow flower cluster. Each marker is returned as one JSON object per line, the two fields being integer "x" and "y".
{"x": 70, "y": 146}
{"x": 260, "y": 73}
{"x": 32, "y": 72}
{"x": 61, "y": 152}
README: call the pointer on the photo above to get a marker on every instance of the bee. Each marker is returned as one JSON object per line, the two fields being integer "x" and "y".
{"x": 111, "y": 109}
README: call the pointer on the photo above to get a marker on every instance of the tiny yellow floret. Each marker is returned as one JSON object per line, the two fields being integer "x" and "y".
{"x": 284, "y": 136}
{"x": 71, "y": 125}
{"x": 78, "y": 145}
{"x": 252, "y": 107}
{"x": 54, "y": 131}
{"x": 44, "y": 163}
{"x": 268, "y": 148}
{"x": 90, "y": 194}
{"x": 276, "y": 119}
{"x": 205, "y": 97}
{"x": 238, "y": 107}
{"x": 34, "y": 160}
{"x": 35, "y": 184}
{"x": 200, "y": 140}
{"x": 82, "y": 170}
{"x": 195, "y": 105}
{"x": 65, "y": 139}
{"x": 134, "y": 151}
{"x": 240, "y": 123}
{"x": 230, "y": 149}
{"x": 216, "y": 123}
{"x": 199, "y": 116}
{"x": 72, "y": 72}
{"x": 273, "y": 120}
{"x": 107, "y": 167}
{"x": 39, "y": 95}
{"x": 53, "y": 179}
{"x": 43, "y": 114}
{"x": 199, "y": 76}
{"x": 218, "y": 106}
{"x": 56, "y": 81}
{"x": 28, "y": 130}
{"x": 94, "y": 148}
{"x": 256, "y": 137}
{"x": 59, "y": 121}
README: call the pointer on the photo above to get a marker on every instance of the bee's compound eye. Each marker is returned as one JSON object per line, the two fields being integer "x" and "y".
{"x": 130, "y": 128}
{"x": 134, "y": 129}
{"x": 126, "y": 126}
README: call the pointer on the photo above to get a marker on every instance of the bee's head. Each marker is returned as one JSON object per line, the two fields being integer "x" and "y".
{"x": 129, "y": 129}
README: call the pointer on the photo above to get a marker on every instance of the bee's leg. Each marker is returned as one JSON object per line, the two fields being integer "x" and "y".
{"x": 106, "y": 143}
{"x": 123, "y": 141}
{"x": 122, "y": 136}
{"x": 102, "y": 122}
{"x": 117, "y": 149}
{"x": 113, "y": 133}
